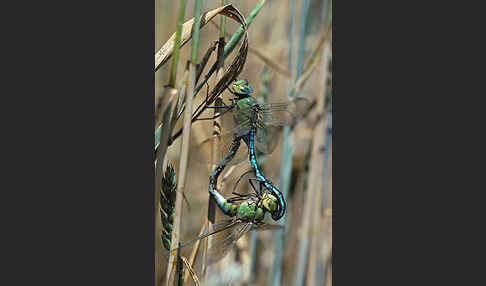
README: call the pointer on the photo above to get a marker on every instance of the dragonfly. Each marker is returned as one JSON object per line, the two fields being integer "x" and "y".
{"x": 247, "y": 215}
{"x": 257, "y": 125}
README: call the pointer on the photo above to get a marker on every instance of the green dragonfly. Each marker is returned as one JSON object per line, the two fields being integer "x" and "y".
{"x": 255, "y": 123}
{"x": 247, "y": 212}
{"x": 246, "y": 113}
{"x": 247, "y": 215}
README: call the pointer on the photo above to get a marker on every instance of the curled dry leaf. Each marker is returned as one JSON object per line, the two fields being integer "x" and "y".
{"x": 233, "y": 70}
{"x": 165, "y": 52}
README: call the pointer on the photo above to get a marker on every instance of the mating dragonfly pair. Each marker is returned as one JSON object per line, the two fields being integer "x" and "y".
{"x": 257, "y": 125}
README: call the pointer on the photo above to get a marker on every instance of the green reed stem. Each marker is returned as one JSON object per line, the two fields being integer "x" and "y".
{"x": 177, "y": 44}
{"x": 222, "y": 23}
{"x": 230, "y": 46}
{"x": 304, "y": 244}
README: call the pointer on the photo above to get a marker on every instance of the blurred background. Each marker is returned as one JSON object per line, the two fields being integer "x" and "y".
{"x": 283, "y": 36}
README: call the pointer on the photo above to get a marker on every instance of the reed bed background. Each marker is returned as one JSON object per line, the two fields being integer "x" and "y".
{"x": 289, "y": 54}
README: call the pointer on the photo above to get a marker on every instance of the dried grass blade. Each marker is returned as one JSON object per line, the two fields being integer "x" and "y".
{"x": 190, "y": 271}
{"x": 312, "y": 63}
{"x": 195, "y": 250}
{"x": 167, "y": 49}
{"x": 183, "y": 162}
{"x": 231, "y": 72}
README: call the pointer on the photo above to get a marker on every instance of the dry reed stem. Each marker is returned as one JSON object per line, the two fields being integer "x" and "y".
{"x": 190, "y": 271}
{"x": 325, "y": 249}
{"x": 286, "y": 163}
{"x": 316, "y": 166}
{"x": 232, "y": 71}
{"x": 181, "y": 180}
{"x": 216, "y": 132}
{"x": 316, "y": 232}
{"x": 195, "y": 250}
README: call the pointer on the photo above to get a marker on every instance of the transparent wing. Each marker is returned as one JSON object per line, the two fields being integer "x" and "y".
{"x": 266, "y": 226}
{"x": 266, "y": 139}
{"x": 220, "y": 248}
{"x": 273, "y": 117}
{"x": 216, "y": 228}
{"x": 225, "y": 242}
{"x": 281, "y": 114}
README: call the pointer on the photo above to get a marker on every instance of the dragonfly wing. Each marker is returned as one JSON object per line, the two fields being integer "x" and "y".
{"x": 281, "y": 114}
{"x": 266, "y": 226}
{"x": 266, "y": 139}
{"x": 241, "y": 129}
{"x": 221, "y": 247}
{"x": 215, "y": 228}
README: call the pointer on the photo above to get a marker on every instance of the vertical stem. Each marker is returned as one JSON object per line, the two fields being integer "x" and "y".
{"x": 286, "y": 167}
{"x": 313, "y": 195}
{"x": 302, "y": 34}
{"x": 318, "y": 232}
{"x": 186, "y": 134}
{"x": 239, "y": 33}
{"x": 215, "y": 148}
{"x": 229, "y": 47}
{"x": 327, "y": 152}
{"x": 222, "y": 22}
{"x": 175, "y": 54}
{"x": 195, "y": 32}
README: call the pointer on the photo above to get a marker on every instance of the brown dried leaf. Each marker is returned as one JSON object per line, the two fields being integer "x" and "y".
{"x": 165, "y": 52}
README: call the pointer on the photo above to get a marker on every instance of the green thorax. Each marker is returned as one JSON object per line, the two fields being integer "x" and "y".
{"x": 245, "y": 108}
{"x": 250, "y": 211}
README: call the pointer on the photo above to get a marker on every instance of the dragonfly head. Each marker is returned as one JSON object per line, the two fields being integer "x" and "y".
{"x": 269, "y": 202}
{"x": 241, "y": 88}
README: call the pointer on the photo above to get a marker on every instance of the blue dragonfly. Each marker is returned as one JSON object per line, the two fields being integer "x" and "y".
{"x": 247, "y": 213}
{"x": 258, "y": 126}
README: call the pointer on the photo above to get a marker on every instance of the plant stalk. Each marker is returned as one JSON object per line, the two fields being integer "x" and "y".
{"x": 177, "y": 43}
{"x": 276, "y": 273}
{"x": 186, "y": 136}
{"x": 215, "y": 148}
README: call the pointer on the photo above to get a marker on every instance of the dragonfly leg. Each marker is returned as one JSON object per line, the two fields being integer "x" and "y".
{"x": 215, "y": 116}
{"x": 224, "y": 106}
{"x": 238, "y": 181}
{"x": 241, "y": 197}
{"x": 200, "y": 67}
{"x": 258, "y": 190}
{"x": 215, "y": 106}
